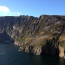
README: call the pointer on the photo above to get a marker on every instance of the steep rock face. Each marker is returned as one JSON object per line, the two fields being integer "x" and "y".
{"x": 61, "y": 51}
{"x": 4, "y": 37}
{"x": 41, "y": 35}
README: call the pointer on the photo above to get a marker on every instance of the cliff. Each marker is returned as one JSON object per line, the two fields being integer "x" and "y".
{"x": 39, "y": 35}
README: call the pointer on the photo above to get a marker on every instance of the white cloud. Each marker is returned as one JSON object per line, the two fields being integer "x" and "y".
{"x": 18, "y": 13}
{"x": 5, "y": 11}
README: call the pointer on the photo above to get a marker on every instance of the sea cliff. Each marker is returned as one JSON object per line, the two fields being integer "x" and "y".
{"x": 38, "y": 35}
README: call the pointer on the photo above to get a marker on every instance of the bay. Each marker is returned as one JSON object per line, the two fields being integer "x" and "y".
{"x": 9, "y": 55}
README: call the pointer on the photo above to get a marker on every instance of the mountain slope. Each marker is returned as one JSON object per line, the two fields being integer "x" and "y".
{"x": 43, "y": 35}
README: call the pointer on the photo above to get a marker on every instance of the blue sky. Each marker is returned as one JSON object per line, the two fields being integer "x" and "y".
{"x": 32, "y": 7}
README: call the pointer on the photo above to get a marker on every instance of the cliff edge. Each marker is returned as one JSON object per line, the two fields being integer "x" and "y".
{"x": 39, "y": 35}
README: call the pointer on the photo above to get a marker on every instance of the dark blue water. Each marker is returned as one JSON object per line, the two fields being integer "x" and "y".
{"x": 9, "y": 55}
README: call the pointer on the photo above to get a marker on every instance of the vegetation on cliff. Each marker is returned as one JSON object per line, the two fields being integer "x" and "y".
{"x": 41, "y": 35}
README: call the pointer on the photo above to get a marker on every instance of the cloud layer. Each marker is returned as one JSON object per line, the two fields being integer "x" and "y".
{"x": 5, "y": 11}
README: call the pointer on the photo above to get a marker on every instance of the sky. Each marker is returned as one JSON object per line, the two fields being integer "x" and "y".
{"x": 32, "y": 7}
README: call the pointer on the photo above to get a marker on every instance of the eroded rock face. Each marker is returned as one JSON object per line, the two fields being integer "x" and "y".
{"x": 27, "y": 49}
{"x": 17, "y": 43}
{"x": 61, "y": 51}
{"x": 33, "y": 33}
{"x": 37, "y": 50}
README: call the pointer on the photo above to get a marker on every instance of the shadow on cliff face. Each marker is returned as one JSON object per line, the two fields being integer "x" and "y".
{"x": 4, "y": 37}
{"x": 50, "y": 48}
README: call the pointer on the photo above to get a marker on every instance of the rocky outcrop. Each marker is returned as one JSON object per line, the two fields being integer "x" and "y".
{"x": 61, "y": 51}
{"x": 43, "y": 35}
{"x": 37, "y": 51}
{"x": 17, "y": 43}
{"x": 31, "y": 49}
